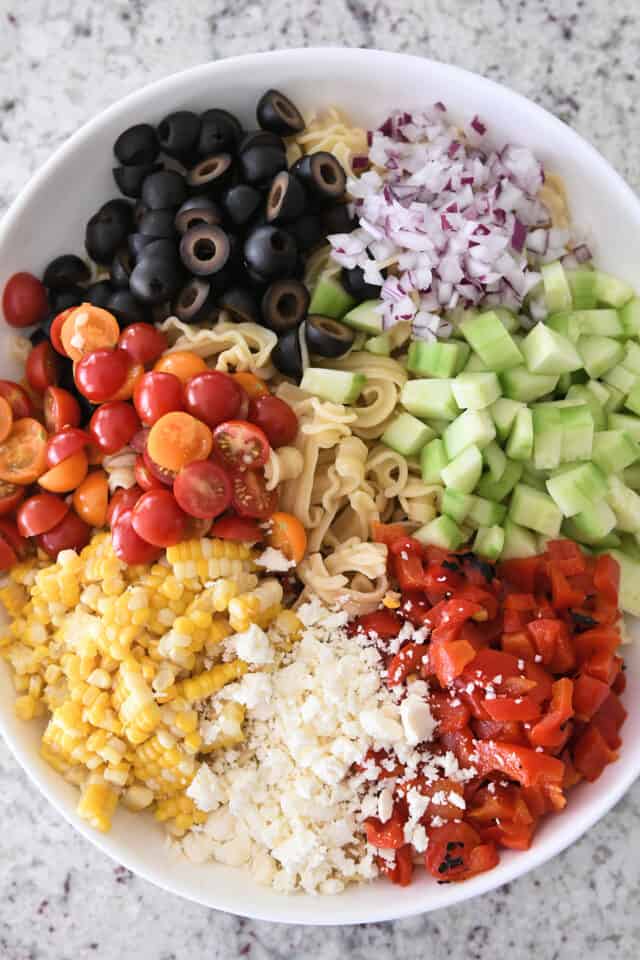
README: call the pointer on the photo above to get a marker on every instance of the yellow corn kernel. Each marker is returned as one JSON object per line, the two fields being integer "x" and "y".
{"x": 26, "y": 707}
{"x": 98, "y": 802}
{"x": 391, "y": 600}
{"x": 230, "y": 720}
{"x": 209, "y": 682}
{"x": 249, "y": 607}
{"x": 137, "y": 798}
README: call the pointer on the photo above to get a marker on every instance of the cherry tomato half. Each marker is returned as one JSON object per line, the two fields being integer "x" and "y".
{"x": 275, "y": 417}
{"x": 143, "y": 342}
{"x": 288, "y": 535}
{"x": 42, "y": 367}
{"x": 6, "y": 419}
{"x": 158, "y": 519}
{"x": 166, "y": 477}
{"x": 8, "y": 556}
{"x": 61, "y": 409}
{"x": 17, "y": 398}
{"x": 91, "y": 499}
{"x": 213, "y": 397}
{"x": 138, "y": 441}
{"x": 113, "y": 425}
{"x": 250, "y": 495}
{"x": 233, "y": 527}
{"x": 9, "y": 530}
{"x": 10, "y": 496}
{"x": 241, "y": 445}
{"x": 65, "y": 443}
{"x": 88, "y": 329}
{"x": 121, "y": 502}
{"x": 156, "y": 394}
{"x": 101, "y": 374}
{"x": 178, "y": 438}
{"x": 23, "y": 455}
{"x": 253, "y": 386}
{"x": 203, "y": 489}
{"x": 125, "y": 392}
{"x": 127, "y": 545}
{"x": 71, "y": 533}
{"x": 183, "y": 364}
{"x": 24, "y": 301}
{"x": 67, "y": 475}
{"x": 55, "y": 331}
{"x": 40, "y": 513}
{"x": 144, "y": 478}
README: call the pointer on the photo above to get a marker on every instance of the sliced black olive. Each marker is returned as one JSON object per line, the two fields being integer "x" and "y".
{"x": 327, "y": 337}
{"x": 126, "y": 309}
{"x": 121, "y": 269}
{"x": 178, "y": 133}
{"x": 278, "y": 114}
{"x": 158, "y": 223}
{"x": 155, "y": 279}
{"x": 197, "y": 210}
{"x": 287, "y": 198}
{"x": 220, "y": 132}
{"x": 323, "y": 174}
{"x": 241, "y": 203}
{"x": 66, "y": 271}
{"x": 107, "y": 230}
{"x": 162, "y": 247}
{"x": 139, "y": 211}
{"x": 240, "y": 303}
{"x": 354, "y": 283}
{"x": 287, "y": 354}
{"x": 164, "y": 190}
{"x": 136, "y": 145}
{"x": 130, "y": 179}
{"x": 284, "y": 305}
{"x": 99, "y": 293}
{"x": 261, "y": 138}
{"x": 60, "y": 300}
{"x": 205, "y": 249}
{"x": 271, "y": 252}
{"x": 337, "y": 220}
{"x": 261, "y": 163}
{"x": 212, "y": 174}
{"x": 196, "y": 302}
{"x": 307, "y": 231}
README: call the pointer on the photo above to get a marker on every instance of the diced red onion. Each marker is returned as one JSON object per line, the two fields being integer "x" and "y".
{"x": 478, "y": 126}
{"x": 518, "y": 236}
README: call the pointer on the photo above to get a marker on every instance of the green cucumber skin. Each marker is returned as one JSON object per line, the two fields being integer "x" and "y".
{"x": 407, "y": 435}
{"x": 335, "y": 386}
{"x": 330, "y": 299}
{"x": 364, "y": 317}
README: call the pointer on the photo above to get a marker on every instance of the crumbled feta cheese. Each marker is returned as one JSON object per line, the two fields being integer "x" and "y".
{"x": 385, "y": 805}
{"x": 253, "y": 645}
{"x": 204, "y": 790}
{"x": 274, "y": 560}
{"x": 417, "y": 721}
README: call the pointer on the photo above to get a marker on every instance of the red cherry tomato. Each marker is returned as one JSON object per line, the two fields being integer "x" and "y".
{"x": 213, "y": 397}
{"x": 71, "y": 533}
{"x": 233, "y": 527}
{"x": 158, "y": 519}
{"x": 55, "y": 331}
{"x": 275, "y": 417}
{"x": 64, "y": 444}
{"x": 24, "y": 301}
{"x": 8, "y": 557}
{"x": 156, "y": 394}
{"x": 203, "y": 489}
{"x": 121, "y": 501}
{"x": 40, "y": 513}
{"x": 250, "y": 496}
{"x": 100, "y": 374}
{"x": 10, "y": 496}
{"x": 240, "y": 445}
{"x": 61, "y": 409}
{"x": 166, "y": 477}
{"x": 42, "y": 367}
{"x": 6, "y": 419}
{"x": 113, "y": 425}
{"x": 144, "y": 478}
{"x": 143, "y": 342}
{"x": 17, "y": 398}
{"x": 127, "y": 545}
{"x": 138, "y": 441}
{"x": 9, "y": 530}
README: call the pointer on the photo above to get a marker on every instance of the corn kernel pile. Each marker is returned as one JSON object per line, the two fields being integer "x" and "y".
{"x": 118, "y": 658}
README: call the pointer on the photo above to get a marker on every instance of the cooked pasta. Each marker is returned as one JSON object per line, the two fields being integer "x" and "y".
{"x": 360, "y": 592}
{"x": 553, "y": 195}
{"x": 380, "y": 395}
{"x": 235, "y": 346}
{"x": 286, "y": 463}
{"x": 330, "y": 130}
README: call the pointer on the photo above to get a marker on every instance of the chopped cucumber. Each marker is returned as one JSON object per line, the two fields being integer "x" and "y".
{"x": 495, "y": 459}
{"x": 622, "y": 379}
{"x": 520, "y": 442}
{"x": 433, "y": 459}
{"x": 633, "y": 400}
{"x": 475, "y": 391}
{"x": 580, "y": 394}
{"x": 611, "y": 290}
{"x": 535, "y": 478}
{"x": 535, "y": 510}
{"x": 583, "y": 288}
{"x": 337, "y": 386}
{"x": 614, "y": 450}
{"x": 520, "y": 384}
{"x": 630, "y": 318}
{"x": 615, "y": 401}
{"x": 489, "y": 542}
{"x": 464, "y": 471}
{"x": 625, "y": 503}
{"x": 577, "y": 432}
{"x": 366, "y": 316}
{"x": 631, "y": 476}
{"x": 564, "y": 324}
{"x": 603, "y": 323}
{"x": 380, "y": 345}
{"x": 475, "y": 365}
{"x": 592, "y": 525}
{"x": 518, "y": 542}
{"x": 547, "y": 436}
{"x": 407, "y": 435}
{"x": 442, "y": 532}
{"x": 623, "y": 421}
{"x": 565, "y": 381}
{"x": 557, "y": 292}
{"x": 599, "y": 354}
{"x": 485, "y": 513}
{"x": 494, "y": 345}
{"x": 436, "y": 359}
{"x": 509, "y": 320}
{"x": 471, "y": 427}
{"x": 455, "y": 504}
{"x": 631, "y": 359}
{"x": 438, "y": 426}
{"x": 429, "y": 398}
{"x": 577, "y": 488}
{"x": 629, "y": 592}
{"x": 503, "y": 412}
{"x": 498, "y": 490}
{"x": 330, "y": 299}
{"x": 547, "y": 351}
{"x": 629, "y": 545}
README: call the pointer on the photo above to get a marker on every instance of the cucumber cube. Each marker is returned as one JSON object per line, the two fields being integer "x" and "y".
{"x": 366, "y": 317}
{"x": 520, "y": 443}
{"x": 475, "y": 391}
{"x": 489, "y": 542}
{"x": 442, "y": 532}
{"x": 438, "y": 426}
{"x": 498, "y": 490}
{"x": 622, "y": 379}
{"x": 623, "y": 421}
{"x": 577, "y": 433}
{"x": 330, "y": 299}
{"x": 503, "y": 412}
{"x": 599, "y": 354}
{"x": 631, "y": 476}
{"x": 611, "y": 290}
{"x": 380, "y": 346}
{"x": 629, "y": 583}
{"x": 615, "y": 401}
{"x": 614, "y": 451}
{"x": 602, "y": 323}
{"x": 519, "y": 384}
{"x": 583, "y": 289}
{"x": 625, "y": 503}
{"x": 535, "y": 478}
{"x": 464, "y": 471}
{"x": 631, "y": 359}
{"x": 475, "y": 365}
{"x": 577, "y": 488}
{"x": 592, "y": 525}
{"x": 546, "y": 351}
{"x": 436, "y": 359}
{"x": 564, "y": 324}
{"x": 433, "y": 459}
{"x": 535, "y": 510}
{"x": 471, "y": 427}
{"x": 581, "y": 393}
{"x": 486, "y": 334}
{"x": 509, "y": 320}
{"x": 495, "y": 459}
{"x": 337, "y": 386}
{"x": 557, "y": 292}
{"x": 547, "y": 436}
{"x": 429, "y": 398}
{"x": 518, "y": 542}
{"x": 630, "y": 318}
{"x": 485, "y": 513}
{"x": 455, "y": 504}
{"x": 633, "y": 400}
{"x": 407, "y": 435}
{"x": 565, "y": 381}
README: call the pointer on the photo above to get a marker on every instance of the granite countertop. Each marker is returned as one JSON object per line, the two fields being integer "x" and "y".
{"x": 60, "y": 63}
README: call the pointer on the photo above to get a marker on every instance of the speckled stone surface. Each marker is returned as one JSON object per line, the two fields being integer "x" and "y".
{"x": 60, "y": 63}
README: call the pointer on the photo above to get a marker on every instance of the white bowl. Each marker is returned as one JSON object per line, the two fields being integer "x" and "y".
{"x": 49, "y": 217}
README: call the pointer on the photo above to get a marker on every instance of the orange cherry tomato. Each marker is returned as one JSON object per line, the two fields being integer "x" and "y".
{"x": 6, "y": 419}
{"x": 88, "y": 328}
{"x": 177, "y": 439}
{"x": 183, "y": 364}
{"x": 64, "y": 444}
{"x": 126, "y": 390}
{"x": 56, "y": 329}
{"x": 91, "y": 499}
{"x": 23, "y": 455}
{"x": 252, "y": 385}
{"x": 67, "y": 475}
{"x": 287, "y": 535}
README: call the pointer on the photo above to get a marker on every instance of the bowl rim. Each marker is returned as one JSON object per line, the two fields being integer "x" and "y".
{"x": 577, "y": 825}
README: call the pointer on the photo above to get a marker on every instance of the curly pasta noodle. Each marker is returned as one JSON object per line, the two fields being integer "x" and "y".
{"x": 387, "y": 471}
{"x": 552, "y": 193}
{"x": 380, "y": 394}
{"x": 235, "y": 346}
{"x": 330, "y": 130}
{"x": 285, "y": 463}
{"x": 419, "y": 501}
{"x": 354, "y": 576}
